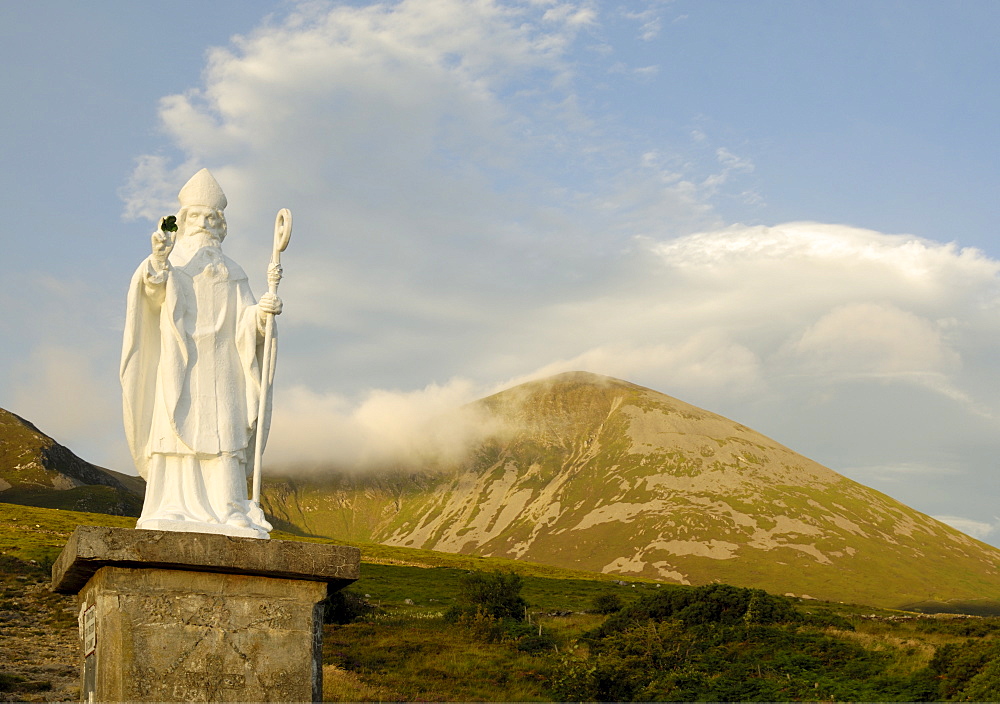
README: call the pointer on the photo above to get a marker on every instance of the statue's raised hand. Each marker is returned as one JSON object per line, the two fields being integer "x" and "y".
{"x": 163, "y": 242}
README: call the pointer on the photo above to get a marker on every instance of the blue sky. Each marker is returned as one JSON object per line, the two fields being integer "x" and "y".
{"x": 784, "y": 212}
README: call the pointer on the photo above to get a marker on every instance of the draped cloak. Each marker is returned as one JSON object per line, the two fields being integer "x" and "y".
{"x": 191, "y": 360}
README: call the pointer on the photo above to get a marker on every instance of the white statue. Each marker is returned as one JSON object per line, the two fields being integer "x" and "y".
{"x": 192, "y": 359}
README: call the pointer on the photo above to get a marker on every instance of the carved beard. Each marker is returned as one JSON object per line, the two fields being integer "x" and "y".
{"x": 191, "y": 243}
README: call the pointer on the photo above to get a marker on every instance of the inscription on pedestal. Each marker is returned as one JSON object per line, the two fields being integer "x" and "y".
{"x": 202, "y": 637}
{"x": 247, "y": 629}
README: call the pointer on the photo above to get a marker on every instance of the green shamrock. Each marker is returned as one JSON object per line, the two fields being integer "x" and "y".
{"x": 169, "y": 223}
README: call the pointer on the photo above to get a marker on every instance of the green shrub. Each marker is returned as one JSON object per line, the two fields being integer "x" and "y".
{"x": 724, "y": 643}
{"x": 711, "y": 604}
{"x": 957, "y": 665}
{"x": 528, "y": 637}
{"x": 574, "y": 679}
{"x": 826, "y": 619}
{"x": 536, "y": 643}
{"x": 984, "y": 686}
{"x": 345, "y": 606}
{"x": 8, "y": 682}
{"x": 967, "y": 627}
{"x": 497, "y": 594}
{"x": 607, "y": 603}
{"x": 482, "y": 625}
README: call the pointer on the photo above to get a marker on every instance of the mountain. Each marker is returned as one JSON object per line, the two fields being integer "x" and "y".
{"x": 599, "y": 474}
{"x": 35, "y": 470}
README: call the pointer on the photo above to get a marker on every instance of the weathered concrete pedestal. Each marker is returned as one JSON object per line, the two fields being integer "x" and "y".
{"x": 168, "y": 616}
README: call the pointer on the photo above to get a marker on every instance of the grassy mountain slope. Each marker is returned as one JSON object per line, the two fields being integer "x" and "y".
{"x": 603, "y": 475}
{"x": 405, "y": 651}
{"x": 36, "y": 470}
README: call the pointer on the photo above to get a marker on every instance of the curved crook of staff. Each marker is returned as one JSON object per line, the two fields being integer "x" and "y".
{"x": 282, "y": 233}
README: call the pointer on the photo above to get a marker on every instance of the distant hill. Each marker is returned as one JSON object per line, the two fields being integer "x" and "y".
{"x": 35, "y": 470}
{"x": 600, "y": 474}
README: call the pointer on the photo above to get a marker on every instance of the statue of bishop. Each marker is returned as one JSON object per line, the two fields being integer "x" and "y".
{"x": 191, "y": 374}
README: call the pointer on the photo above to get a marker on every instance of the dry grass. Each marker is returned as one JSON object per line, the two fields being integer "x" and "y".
{"x": 910, "y": 649}
{"x": 340, "y": 685}
{"x": 426, "y": 660}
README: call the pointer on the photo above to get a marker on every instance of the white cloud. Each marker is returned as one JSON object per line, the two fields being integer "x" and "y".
{"x": 341, "y": 93}
{"x": 899, "y": 472}
{"x": 151, "y": 191}
{"x": 438, "y": 166}
{"x": 401, "y": 137}
{"x": 981, "y": 530}
{"x": 650, "y": 22}
{"x": 705, "y": 362}
{"x": 583, "y": 14}
{"x": 732, "y": 162}
{"x": 745, "y": 319}
{"x": 382, "y": 430}
{"x": 874, "y": 339}
{"x": 919, "y": 261}
{"x": 804, "y": 271}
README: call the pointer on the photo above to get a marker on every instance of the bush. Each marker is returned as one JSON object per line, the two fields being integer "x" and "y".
{"x": 345, "y": 606}
{"x": 668, "y": 660}
{"x": 574, "y": 679}
{"x": 985, "y": 686}
{"x": 8, "y": 682}
{"x": 958, "y": 666}
{"x": 825, "y": 619}
{"x": 530, "y": 638}
{"x": 481, "y": 625}
{"x": 496, "y": 594}
{"x": 607, "y": 603}
{"x": 537, "y": 643}
{"x": 967, "y": 627}
{"x": 724, "y": 643}
{"x": 711, "y": 604}
{"x": 491, "y": 608}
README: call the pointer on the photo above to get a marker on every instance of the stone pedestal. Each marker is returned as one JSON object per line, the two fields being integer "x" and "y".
{"x": 196, "y": 617}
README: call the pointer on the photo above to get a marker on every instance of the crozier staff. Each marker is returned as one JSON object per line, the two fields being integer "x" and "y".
{"x": 192, "y": 362}
{"x": 282, "y": 233}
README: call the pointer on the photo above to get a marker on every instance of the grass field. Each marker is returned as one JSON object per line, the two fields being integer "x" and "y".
{"x": 405, "y": 649}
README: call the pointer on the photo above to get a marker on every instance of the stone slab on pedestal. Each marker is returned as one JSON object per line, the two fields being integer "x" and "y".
{"x": 199, "y": 617}
{"x": 91, "y": 547}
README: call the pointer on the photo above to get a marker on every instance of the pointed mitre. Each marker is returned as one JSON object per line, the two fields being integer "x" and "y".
{"x": 203, "y": 190}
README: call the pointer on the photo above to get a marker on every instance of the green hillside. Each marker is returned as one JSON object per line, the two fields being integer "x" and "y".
{"x": 35, "y": 470}
{"x": 602, "y": 475}
{"x": 652, "y": 641}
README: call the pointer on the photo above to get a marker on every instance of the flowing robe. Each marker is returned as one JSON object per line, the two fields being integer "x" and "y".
{"x": 190, "y": 373}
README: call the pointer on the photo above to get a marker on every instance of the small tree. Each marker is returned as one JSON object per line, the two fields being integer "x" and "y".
{"x": 607, "y": 603}
{"x": 496, "y": 594}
